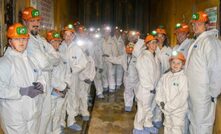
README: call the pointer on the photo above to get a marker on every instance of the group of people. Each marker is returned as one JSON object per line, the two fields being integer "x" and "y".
{"x": 44, "y": 81}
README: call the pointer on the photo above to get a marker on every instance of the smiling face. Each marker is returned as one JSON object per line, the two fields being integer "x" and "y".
{"x": 198, "y": 28}
{"x": 33, "y": 26}
{"x": 19, "y": 44}
{"x": 68, "y": 36}
{"x": 161, "y": 38}
{"x": 55, "y": 44}
{"x": 152, "y": 45}
{"x": 181, "y": 36}
{"x": 176, "y": 65}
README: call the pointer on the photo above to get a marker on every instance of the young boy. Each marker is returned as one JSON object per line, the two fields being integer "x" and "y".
{"x": 59, "y": 82}
{"x": 20, "y": 86}
{"x": 128, "y": 61}
{"x": 172, "y": 94}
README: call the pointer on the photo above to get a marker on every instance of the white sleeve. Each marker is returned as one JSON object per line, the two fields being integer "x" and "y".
{"x": 213, "y": 54}
{"x": 160, "y": 95}
{"x": 7, "y": 90}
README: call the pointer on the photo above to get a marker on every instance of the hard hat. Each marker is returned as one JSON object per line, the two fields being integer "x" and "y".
{"x": 129, "y": 48}
{"x": 17, "y": 30}
{"x": 149, "y": 38}
{"x": 53, "y": 35}
{"x": 161, "y": 30}
{"x": 30, "y": 13}
{"x": 199, "y": 17}
{"x": 69, "y": 27}
{"x": 134, "y": 33}
{"x": 182, "y": 27}
{"x": 177, "y": 55}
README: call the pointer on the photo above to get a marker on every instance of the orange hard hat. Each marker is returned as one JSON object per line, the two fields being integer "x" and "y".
{"x": 149, "y": 38}
{"x": 178, "y": 55}
{"x": 17, "y": 30}
{"x": 53, "y": 35}
{"x": 129, "y": 48}
{"x": 30, "y": 13}
{"x": 70, "y": 28}
{"x": 161, "y": 30}
{"x": 182, "y": 27}
{"x": 199, "y": 17}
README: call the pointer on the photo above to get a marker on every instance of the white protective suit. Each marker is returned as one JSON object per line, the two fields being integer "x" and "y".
{"x": 77, "y": 61}
{"x": 184, "y": 46}
{"x": 148, "y": 68}
{"x": 60, "y": 81}
{"x": 88, "y": 73}
{"x": 173, "y": 91}
{"x": 128, "y": 62}
{"x": 203, "y": 70}
{"x": 119, "y": 49}
{"x": 19, "y": 114}
{"x": 96, "y": 53}
{"x": 45, "y": 57}
{"x": 164, "y": 56}
{"x": 108, "y": 75}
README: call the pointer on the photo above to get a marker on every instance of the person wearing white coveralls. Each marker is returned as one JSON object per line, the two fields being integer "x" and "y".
{"x": 21, "y": 86}
{"x": 59, "y": 82}
{"x": 86, "y": 76}
{"x": 96, "y": 53}
{"x": 203, "y": 70}
{"x": 108, "y": 74}
{"x": 45, "y": 57}
{"x": 182, "y": 32}
{"x": 77, "y": 61}
{"x": 172, "y": 95}
{"x": 128, "y": 62}
{"x": 148, "y": 69}
{"x": 119, "y": 49}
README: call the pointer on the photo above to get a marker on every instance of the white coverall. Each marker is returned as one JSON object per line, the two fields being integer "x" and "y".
{"x": 164, "y": 56}
{"x": 108, "y": 75}
{"x": 18, "y": 114}
{"x": 96, "y": 53}
{"x": 45, "y": 57}
{"x": 83, "y": 92}
{"x": 60, "y": 79}
{"x": 148, "y": 68}
{"x": 77, "y": 61}
{"x": 119, "y": 49}
{"x": 203, "y": 70}
{"x": 128, "y": 62}
{"x": 173, "y": 91}
{"x": 184, "y": 46}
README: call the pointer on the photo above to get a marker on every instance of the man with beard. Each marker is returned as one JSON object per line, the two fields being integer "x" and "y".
{"x": 45, "y": 57}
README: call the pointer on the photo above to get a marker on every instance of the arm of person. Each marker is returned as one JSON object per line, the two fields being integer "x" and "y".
{"x": 213, "y": 60}
{"x": 7, "y": 89}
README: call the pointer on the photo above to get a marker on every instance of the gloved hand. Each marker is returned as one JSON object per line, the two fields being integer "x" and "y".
{"x": 162, "y": 104}
{"x": 105, "y": 55}
{"x": 88, "y": 81}
{"x": 38, "y": 86}
{"x": 100, "y": 70}
{"x": 30, "y": 91}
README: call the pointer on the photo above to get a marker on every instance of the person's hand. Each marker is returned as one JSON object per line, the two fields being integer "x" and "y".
{"x": 30, "y": 91}
{"x": 88, "y": 81}
{"x": 100, "y": 70}
{"x": 38, "y": 86}
{"x": 162, "y": 104}
{"x": 105, "y": 55}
